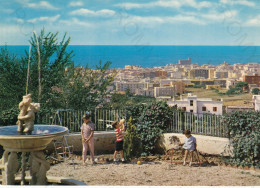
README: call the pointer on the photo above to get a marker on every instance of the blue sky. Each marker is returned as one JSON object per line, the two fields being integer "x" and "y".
{"x": 134, "y": 22}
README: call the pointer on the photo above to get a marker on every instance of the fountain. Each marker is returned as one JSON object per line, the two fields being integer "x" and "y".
{"x": 25, "y": 137}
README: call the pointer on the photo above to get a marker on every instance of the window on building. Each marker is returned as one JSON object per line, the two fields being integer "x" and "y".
{"x": 215, "y": 109}
{"x": 191, "y": 102}
{"x": 204, "y": 109}
{"x": 184, "y": 108}
{"x": 191, "y": 110}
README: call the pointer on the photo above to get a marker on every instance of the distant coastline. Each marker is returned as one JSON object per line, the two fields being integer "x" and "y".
{"x": 154, "y": 55}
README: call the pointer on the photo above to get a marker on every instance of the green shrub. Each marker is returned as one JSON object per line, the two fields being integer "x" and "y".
{"x": 244, "y": 133}
{"x": 153, "y": 121}
{"x": 132, "y": 142}
{"x": 9, "y": 117}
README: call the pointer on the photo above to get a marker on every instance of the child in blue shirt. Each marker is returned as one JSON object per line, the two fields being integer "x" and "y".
{"x": 189, "y": 146}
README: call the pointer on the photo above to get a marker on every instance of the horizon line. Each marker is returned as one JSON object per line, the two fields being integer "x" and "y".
{"x": 135, "y": 45}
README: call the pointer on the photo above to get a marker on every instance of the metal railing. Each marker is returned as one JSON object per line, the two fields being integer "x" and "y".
{"x": 203, "y": 124}
{"x": 72, "y": 119}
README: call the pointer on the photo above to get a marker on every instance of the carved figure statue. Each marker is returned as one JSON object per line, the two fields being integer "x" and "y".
{"x": 23, "y": 107}
{"x": 29, "y": 117}
{"x": 39, "y": 167}
{"x": 10, "y": 167}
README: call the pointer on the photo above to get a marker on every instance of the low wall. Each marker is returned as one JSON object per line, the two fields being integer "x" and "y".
{"x": 205, "y": 144}
{"x": 105, "y": 143}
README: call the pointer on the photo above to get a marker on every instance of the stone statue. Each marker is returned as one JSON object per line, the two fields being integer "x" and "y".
{"x": 23, "y": 107}
{"x": 27, "y": 114}
{"x": 38, "y": 168}
{"x": 11, "y": 166}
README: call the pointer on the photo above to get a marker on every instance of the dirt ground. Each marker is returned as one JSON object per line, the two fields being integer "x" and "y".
{"x": 154, "y": 173}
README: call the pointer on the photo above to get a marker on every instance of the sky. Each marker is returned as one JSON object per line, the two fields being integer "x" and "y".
{"x": 134, "y": 22}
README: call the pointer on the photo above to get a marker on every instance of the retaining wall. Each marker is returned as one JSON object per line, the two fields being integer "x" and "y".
{"x": 105, "y": 143}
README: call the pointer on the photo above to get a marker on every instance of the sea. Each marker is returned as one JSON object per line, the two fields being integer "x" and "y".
{"x": 154, "y": 56}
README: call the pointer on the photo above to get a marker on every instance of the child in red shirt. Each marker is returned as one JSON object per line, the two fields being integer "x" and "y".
{"x": 119, "y": 128}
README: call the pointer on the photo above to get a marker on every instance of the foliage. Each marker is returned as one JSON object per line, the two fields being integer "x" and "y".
{"x": 62, "y": 85}
{"x": 244, "y": 132}
{"x": 242, "y": 85}
{"x": 84, "y": 88}
{"x": 154, "y": 119}
{"x": 255, "y": 91}
{"x": 198, "y": 86}
{"x": 132, "y": 142}
{"x": 238, "y": 89}
{"x": 119, "y": 101}
{"x": 54, "y": 59}
{"x": 9, "y": 116}
{"x": 12, "y": 79}
{"x": 135, "y": 111}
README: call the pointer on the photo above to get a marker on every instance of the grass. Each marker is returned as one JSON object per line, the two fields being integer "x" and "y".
{"x": 243, "y": 99}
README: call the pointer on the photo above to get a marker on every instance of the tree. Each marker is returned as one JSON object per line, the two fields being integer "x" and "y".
{"x": 255, "y": 91}
{"x": 54, "y": 59}
{"x": 84, "y": 88}
{"x": 242, "y": 86}
{"x": 12, "y": 79}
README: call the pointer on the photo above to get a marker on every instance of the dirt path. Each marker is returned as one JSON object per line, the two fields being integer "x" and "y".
{"x": 155, "y": 173}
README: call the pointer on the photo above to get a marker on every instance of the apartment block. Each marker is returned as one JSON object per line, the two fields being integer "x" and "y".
{"x": 221, "y": 74}
{"x": 164, "y": 91}
{"x": 255, "y": 79}
{"x": 132, "y": 86}
{"x": 199, "y": 73}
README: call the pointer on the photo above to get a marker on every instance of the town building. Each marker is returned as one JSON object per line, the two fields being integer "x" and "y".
{"x": 132, "y": 86}
{"x": 198, "y": 73}
{"x": 255, "y": 79}
{"x": 256, "y": 102}
{"x": 221, "y": 74}
{"x": 148, "y": 92}
{"x": 198, "y": 105}
{"x": 185, "y": 62}
{"x": 164, "y": 91}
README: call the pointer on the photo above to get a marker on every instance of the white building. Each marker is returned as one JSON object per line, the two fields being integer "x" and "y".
{"x": 198, "y": 105}
{"x": 148, "y": 92}
{"x": 176, "y": 75}
{"x": 164, "y": 91}
{"x": 256, "y": 102}
{"x": 132, "y": 86}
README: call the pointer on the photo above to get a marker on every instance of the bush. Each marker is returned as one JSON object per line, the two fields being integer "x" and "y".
{"x": 255, "y": 91}
{"x": 9, "y": 117}
{"x": 153, "y": 121}
{"x": 244, "y": 133}
{"x": 132, "y": 142}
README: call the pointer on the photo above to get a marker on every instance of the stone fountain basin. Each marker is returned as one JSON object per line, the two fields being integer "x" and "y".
{"x": 37, "y": 140}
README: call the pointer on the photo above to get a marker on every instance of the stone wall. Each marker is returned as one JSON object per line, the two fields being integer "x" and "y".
{"x": 205, "y": 144}
{"x": 105, "y": 143}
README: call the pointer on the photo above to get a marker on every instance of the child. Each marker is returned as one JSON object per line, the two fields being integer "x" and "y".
{"x": 87, "y": 135}
{"x": 119, "y": 128}
{"x": 189, "y": 146}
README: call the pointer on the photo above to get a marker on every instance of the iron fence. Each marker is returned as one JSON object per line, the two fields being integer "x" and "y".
{"x": 203, "y": 124}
